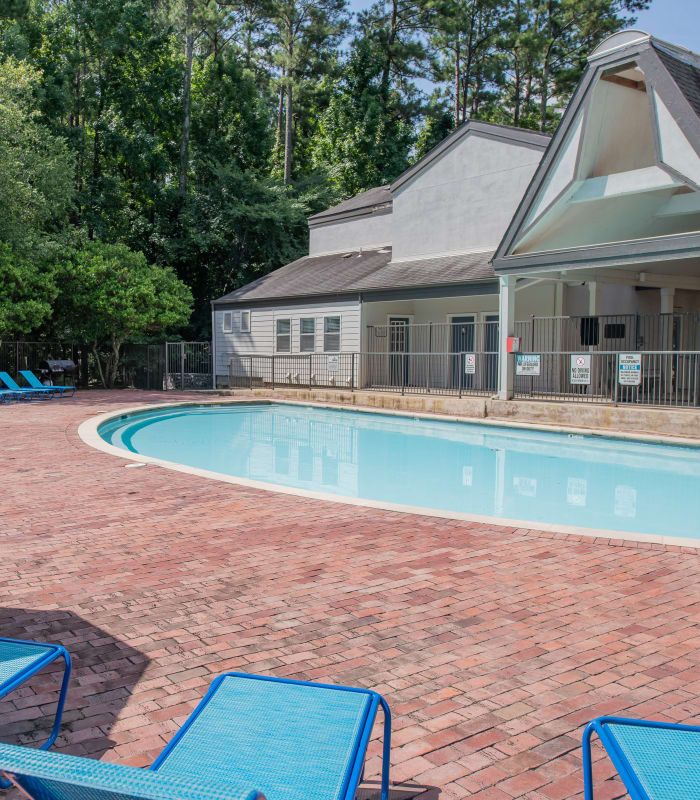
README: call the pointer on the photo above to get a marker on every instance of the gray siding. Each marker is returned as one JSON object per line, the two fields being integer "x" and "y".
{"x": 261, "y": 339}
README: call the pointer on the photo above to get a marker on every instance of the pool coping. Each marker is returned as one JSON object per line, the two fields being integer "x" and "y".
{"x": 88, "y": 433}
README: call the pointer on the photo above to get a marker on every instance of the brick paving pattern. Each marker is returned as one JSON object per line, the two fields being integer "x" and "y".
{"x": 492, "y": 645}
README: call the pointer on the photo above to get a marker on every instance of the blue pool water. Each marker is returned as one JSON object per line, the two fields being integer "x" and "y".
{"x": 518, "y": 474}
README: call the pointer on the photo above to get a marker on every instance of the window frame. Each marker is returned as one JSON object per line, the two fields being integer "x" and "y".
{"x": 278, "y": 334}
{"x": 227, "y": 328}
{"x": 337, "y": 333}
{"x": 246, "y": 314}
{"x": 303, "y": 334}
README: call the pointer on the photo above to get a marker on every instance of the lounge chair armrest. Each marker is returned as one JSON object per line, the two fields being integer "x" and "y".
{"x": 45, "y": 774}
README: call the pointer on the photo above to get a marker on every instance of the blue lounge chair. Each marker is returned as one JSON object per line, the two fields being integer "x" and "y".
{"x": 656, "y": 760}
{"x": 33, "y": 394}
{"x": 35, "y": 383}
{"x": 19, "y": 660}
{"x": 251, "y": 737}
{"x": 8, "y": 396}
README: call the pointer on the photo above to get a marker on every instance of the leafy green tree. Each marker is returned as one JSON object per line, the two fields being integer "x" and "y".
{"x": 305, "y": 31}
{"x": 110, "y": 294}
{"x": 359, "y": 143}
{"x": 35, "y": 166}
{"x": 27, "y": 292}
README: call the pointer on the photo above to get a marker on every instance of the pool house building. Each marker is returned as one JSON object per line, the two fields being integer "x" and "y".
{"x": 505, "y": 262}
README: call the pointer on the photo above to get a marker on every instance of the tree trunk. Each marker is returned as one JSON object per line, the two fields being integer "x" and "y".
{"x": 116, "y": 347}
{"x": 280, "y": 119}
{"x": 288, "y": 137}
{"x": 288, "y": 134}
{"x": 186, "y": 92}
{"x": 457, "y": 81}
{"x": 388, "y": 61}
{"x": 99, "y": 364}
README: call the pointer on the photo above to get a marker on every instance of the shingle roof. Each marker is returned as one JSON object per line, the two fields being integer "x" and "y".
{"x": 358, "y": 272}
{"x": 686, "y": 76}
{"x": 379, "y": 195}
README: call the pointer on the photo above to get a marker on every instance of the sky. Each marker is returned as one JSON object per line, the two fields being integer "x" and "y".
{"x": 675, "y": 21}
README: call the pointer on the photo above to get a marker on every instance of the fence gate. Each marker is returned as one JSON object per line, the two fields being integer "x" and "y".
{"x": 188, "y": 365}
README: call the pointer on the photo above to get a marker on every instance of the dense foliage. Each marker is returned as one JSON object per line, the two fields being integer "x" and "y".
{"x": 193, "y": 137}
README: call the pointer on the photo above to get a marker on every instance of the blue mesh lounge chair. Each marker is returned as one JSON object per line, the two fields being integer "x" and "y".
{"x": 656, "y": 760}
{"x": 250, "y": 737}
{"x": 45, "y": 392}
{"x": 35, "y": 383}
{"x": 8, "y": 396}
{"x": 20, "y": 660}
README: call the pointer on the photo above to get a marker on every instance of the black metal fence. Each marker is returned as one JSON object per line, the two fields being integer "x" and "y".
{"x": 665, "y": 379}
{"x": 170, "y": 365}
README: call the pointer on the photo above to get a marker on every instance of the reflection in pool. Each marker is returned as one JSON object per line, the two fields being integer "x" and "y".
{"x": 484, "y": 470}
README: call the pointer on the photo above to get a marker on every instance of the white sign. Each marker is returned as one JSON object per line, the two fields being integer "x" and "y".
{"x": 333, "y": 363}
{"x": 625, "y": 501}
{"x": 580, "y": 369}
{"x": 527, "y": 487}
{"x": 576, "y": 491}
{"x": 467, "y": 476}
{"x": 629, "y": 369}
{"x": 527, "y": 364}
{"x": 469, "y": 364}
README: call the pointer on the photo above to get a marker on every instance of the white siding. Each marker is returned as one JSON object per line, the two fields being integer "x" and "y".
{"x": 464, "y": 201}
{"x": 370, "y": 231}
{"x": 261, "y": 339}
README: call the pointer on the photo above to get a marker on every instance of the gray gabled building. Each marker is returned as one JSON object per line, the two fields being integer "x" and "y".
{"x": 498, "y": 225}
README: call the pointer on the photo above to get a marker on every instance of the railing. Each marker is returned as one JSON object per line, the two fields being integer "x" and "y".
{"x": 458, "y": 335}
{"x": 188, "y": 365}
{"x": 305, "y": 370}
{"x": 408, "y": 373}
{"x": 667, "y": 379}
{"x": 611, "y": 333}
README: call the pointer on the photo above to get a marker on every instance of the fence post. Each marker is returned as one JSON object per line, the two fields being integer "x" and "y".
{"x": 230, "y": 373}
{"x": 460, "y": 373}
{"x": 310, "y": 371}
{"x": 273, "y": 373}
{"x": 182, "y": 366}
{"x": 352, "y": 372}
{"x": 250, "y": 358}
{"x": 167, "y": 365}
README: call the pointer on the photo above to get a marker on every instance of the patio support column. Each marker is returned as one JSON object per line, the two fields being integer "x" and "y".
{"x": 667, "y": 295}
{"x": 666, "y": 338}
{"x": 506, "y": 327}
{"x": 594, "y": 291}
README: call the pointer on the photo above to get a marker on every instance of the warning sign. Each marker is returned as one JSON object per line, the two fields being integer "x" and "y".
{"x": 629, "y": 370}
{"x": 580, "y": 369}
{"x": 527, "y": 364}
{"x": 333, "y": 363}
{"x": 469, "y": 364}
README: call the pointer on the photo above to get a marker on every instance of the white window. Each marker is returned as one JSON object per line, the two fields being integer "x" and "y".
{"x": 307, "y": 335}
{"x": 331, "y": 334}
{"x": 283, "y": 335}
{"x": 245, "y": 321}
{"x": 228, "y": 322}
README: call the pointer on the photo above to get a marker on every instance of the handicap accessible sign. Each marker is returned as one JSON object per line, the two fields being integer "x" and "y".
{"x": 629, "y": 369}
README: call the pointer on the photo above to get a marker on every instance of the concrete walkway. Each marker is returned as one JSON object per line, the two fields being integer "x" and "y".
{"x": 492, "y": 645}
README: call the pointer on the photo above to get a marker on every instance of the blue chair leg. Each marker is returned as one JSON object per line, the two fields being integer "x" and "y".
{"x": 61, "y": 701}
{"x": 386, "y": 754}
{"x": 587, "y": 765}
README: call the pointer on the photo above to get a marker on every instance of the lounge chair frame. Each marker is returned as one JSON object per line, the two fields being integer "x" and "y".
{"x": 622, "y": 764}
{"x": 53, "y": 652}
{"x": 35, "y": 383}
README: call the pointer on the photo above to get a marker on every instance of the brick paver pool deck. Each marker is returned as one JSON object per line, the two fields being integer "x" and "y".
{"x": 493, "y": 645}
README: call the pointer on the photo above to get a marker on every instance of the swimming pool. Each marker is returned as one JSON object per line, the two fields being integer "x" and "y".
{"x": 448, "y": 466}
